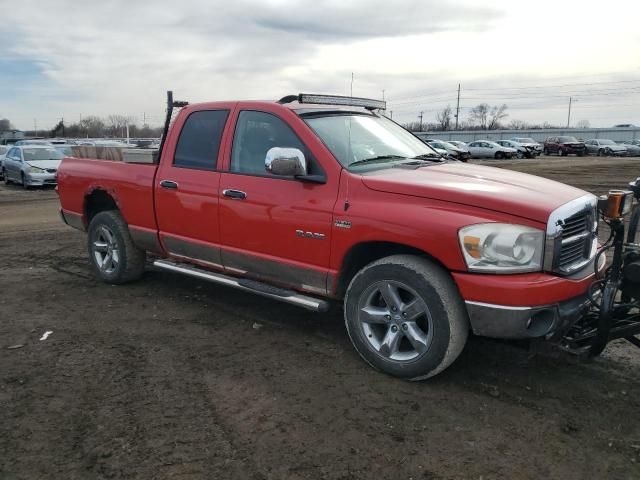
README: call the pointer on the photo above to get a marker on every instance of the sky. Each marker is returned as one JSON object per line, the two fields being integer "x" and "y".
{"x": 72, "y": 58}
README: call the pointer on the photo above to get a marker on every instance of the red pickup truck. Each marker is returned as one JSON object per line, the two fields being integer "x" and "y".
{"x": 317, "y": 198}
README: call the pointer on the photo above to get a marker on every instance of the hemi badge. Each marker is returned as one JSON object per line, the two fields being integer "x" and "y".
{"x": 317, "y": 236}
{"x": 343, "y": 224}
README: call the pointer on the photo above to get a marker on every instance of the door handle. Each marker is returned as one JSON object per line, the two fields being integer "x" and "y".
{"x": 169, "y": 184}
{"x": 237, "y": 194}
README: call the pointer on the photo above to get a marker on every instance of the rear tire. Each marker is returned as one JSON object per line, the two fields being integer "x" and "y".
{"x": 405, "y": 317}
{"x": 6, "y": 177}
{"x": 114, "y": 257}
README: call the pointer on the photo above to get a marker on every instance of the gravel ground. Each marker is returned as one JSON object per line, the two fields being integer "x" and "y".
{"x": 173, "y": 378}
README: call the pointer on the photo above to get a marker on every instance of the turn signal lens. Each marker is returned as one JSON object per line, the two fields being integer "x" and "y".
{"x": 472, "y": 246}
{"x": 616, "y": 203}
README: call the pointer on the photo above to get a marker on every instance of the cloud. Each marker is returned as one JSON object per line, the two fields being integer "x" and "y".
{"x": 97, "y": 57}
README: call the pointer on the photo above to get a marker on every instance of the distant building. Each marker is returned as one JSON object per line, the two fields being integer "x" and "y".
{"x": 11, "y": 136}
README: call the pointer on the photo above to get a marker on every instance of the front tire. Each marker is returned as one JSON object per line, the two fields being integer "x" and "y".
{"x": 114, "y": 257}
{"x": 405, "y": 317}
{"x": 499, "y": 155}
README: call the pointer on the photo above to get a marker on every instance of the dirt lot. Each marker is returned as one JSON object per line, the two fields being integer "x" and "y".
{"x": 170, "y": 377}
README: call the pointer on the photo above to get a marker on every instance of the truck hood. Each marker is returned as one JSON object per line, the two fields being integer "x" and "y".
{"x": 495, "y": 189}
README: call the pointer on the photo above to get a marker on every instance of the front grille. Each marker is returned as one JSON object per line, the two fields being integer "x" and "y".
{"x": 576, "y": 240}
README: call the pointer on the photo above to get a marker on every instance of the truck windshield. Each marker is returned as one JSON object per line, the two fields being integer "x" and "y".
{"x": 359, "y": 139}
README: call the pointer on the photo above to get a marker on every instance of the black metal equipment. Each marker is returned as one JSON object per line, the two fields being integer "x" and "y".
{"x": 171, "y": 104}
{"x": 614, "y": 298}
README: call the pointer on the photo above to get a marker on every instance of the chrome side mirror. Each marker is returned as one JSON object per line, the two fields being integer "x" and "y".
{"x": 288, "y": 162}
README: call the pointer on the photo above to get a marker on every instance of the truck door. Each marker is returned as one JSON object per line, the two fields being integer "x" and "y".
{"x": 274, "y": 228}
{"x": 186, "y": 189}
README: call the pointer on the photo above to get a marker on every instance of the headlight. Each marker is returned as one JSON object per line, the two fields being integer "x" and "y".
{"x": 502, "y": 248}
{"x": 36, "y": 170}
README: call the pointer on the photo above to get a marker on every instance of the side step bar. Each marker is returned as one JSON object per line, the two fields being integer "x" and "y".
{"x": 288, "y": 296}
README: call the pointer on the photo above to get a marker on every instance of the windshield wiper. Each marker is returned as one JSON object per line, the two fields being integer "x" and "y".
{"x": 377, "y": 159}
{"x": 434, "y": 157}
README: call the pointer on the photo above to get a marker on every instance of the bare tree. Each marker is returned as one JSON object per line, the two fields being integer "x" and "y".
{"x": 444, "y": 117}
{"x": 89, "y": 126}
{"x": 479, "y": 114}
{"x": 5, "y": 124}
{"x": 497, "y": 114}
{"x": 117, "y": 123}
{"x": 518, "y": 125}
{"x": 420, "y": 127}
{"x": 583, "y": 124}
{"x": 487, "y": 117}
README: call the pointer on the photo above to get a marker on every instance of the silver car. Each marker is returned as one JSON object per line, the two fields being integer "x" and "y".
{"x": 528, "y": 143}
{"x": 601, "y": 146}
{"x": 632, "y": 150}
{"x": 31, "y": 165}
{"x": 3, "y": 151}
{"x": 490, "y": 149}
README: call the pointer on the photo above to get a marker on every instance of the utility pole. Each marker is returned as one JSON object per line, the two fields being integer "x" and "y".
{"x": 35, "y": 127}
{"x": 352, "y": 84}
{"x": 569, "y": 115}
{"x": 391, "y": 112}
{"x": 420, "y": 117}
{"x": 458, "y": 107}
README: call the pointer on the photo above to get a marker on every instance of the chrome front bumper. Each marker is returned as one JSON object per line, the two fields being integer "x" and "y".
{"x": 503, "y": 321}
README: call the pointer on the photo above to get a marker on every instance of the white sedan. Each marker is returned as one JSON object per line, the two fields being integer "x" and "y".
{"x": 489, "y": 149}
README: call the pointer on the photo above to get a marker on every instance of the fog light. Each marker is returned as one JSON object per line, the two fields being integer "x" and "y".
{"x": 540, "y": 323}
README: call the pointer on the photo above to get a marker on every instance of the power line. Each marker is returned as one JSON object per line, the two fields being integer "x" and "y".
{"x": 556, "y": 86}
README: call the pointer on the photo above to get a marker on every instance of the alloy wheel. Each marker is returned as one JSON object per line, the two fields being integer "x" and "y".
{"x": 105, "y": 249}
{"x": 395, "y": 321}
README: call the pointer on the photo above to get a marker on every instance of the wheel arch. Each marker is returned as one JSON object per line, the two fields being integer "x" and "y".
{"x": 98, "y": 200}
{"x": 363, "y": 253}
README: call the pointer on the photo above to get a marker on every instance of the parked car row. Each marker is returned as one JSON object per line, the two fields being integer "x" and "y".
{"x": 522, "y": 147}
{"x": 566, "y": 145}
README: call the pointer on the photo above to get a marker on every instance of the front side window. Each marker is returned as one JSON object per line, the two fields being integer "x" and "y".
{"x": 358, "y": 138}
{"x": 255, "y": 134}
{"x": 199, "y": 140}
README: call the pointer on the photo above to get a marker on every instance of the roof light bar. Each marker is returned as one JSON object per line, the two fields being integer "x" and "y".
{"x": 367, "y": 103}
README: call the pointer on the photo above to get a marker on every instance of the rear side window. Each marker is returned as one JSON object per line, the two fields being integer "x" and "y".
{"x": 199, "y": 140}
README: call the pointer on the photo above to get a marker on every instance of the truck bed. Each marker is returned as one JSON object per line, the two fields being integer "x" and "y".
{"x": 130, "y": 184}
